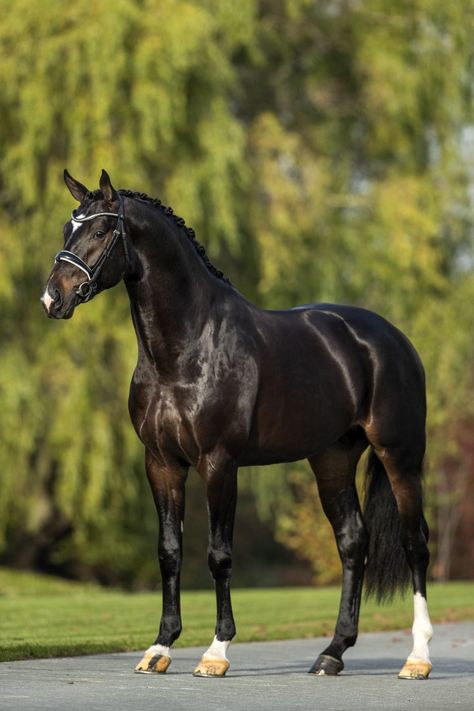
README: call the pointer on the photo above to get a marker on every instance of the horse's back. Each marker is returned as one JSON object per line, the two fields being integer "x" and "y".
{"x": 355, "y": 335}
{"x": 385, "y": 349}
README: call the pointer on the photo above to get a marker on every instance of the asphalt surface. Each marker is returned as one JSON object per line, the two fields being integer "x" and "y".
{"x": 263, "y": 675}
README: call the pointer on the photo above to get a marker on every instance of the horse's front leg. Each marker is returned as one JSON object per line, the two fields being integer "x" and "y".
{"x": 221, "y": 489}
{"x": 167, "y": 484}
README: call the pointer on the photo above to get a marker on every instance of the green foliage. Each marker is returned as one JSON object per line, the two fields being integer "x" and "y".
{"x": 323, "y": 151}
{"x": 365, "y": 184}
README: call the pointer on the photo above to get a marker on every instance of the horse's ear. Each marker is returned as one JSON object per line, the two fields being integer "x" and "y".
{"x": 108, "y": 191}
{"x": 77, "y": 189}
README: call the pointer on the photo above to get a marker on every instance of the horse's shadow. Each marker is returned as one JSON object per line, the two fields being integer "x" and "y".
{"x": 444, "y": 668}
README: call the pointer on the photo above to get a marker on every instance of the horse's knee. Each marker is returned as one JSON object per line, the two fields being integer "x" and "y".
{"x": 220, "y": 562}
{"x": 169, "y": 557}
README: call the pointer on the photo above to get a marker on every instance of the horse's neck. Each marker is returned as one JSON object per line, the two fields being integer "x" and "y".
{"x": 172, "y": 294}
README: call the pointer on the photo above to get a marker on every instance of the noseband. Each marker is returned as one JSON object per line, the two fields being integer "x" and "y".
{"x": 88, "y": 289}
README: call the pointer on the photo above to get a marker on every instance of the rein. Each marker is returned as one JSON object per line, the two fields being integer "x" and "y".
{"x": 88, "y": 289}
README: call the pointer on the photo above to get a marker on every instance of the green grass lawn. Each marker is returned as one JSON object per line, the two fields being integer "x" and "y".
{"x": 43, "y": 617}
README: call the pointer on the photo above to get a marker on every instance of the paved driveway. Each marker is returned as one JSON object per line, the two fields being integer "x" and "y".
{"x": 263, "y": 675}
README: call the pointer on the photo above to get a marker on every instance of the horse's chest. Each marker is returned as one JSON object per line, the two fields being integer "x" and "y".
{"x": 165, "y": 419}
{"x": 198, "y": 411}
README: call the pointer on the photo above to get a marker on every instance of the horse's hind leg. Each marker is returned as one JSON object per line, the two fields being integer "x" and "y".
{"x": 395, "y": 428}
{"x": 404, "y": 472}
{"x": 335, "y": 474}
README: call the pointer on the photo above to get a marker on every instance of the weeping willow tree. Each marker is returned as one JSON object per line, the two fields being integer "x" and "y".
{"x": 142, "y": 89}
{"x": 321, "y": 151}
{"x": 368, "y": 149}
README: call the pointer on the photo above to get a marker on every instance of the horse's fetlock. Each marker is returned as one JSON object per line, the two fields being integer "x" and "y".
{"x": 225, "y": 630}
{"x": 170, "y": 629}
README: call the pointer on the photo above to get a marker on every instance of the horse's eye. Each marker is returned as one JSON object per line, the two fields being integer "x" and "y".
{"x": 99, "y": 233}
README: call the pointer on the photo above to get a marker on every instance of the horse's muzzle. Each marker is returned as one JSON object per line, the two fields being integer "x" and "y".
{"x": 55, "y": 306}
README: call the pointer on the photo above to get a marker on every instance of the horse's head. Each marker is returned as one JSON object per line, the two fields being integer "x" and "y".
{"x": 94, "y": 257}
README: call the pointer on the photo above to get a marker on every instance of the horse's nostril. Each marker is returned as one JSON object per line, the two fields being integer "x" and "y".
{"x": 50, "y": 299}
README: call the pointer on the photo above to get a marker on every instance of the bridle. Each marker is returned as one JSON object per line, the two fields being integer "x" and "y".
{"x": 88, "y": 289}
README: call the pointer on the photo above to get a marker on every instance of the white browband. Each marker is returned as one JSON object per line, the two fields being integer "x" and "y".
{"x": 92, "y": 217}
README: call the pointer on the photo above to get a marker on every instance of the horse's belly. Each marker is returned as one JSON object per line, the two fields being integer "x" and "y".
{"x": 291, "y": 449}
{"x": 257, "y": 456}
{"x": 297, "y": 428}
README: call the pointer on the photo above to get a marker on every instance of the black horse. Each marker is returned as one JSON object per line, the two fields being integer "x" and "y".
{"x": 220, "y": 383}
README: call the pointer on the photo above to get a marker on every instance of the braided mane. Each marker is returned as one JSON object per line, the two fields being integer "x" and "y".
{"x": 168, "y": 212}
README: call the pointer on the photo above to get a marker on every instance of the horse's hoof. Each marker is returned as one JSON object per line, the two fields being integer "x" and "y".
{"x": 415, "y": 669}
{"x": 153, "y": 664}
{"x": 326, "y": 666}
{"x": 211, "y": 667}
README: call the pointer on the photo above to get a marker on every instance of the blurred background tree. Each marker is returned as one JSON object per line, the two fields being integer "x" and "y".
{"x": 322, "y": 151}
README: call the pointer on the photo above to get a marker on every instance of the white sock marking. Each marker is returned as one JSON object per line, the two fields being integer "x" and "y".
{"x": 422, "y": 629}
{"x": 47, "y": 299}
{"x": 217, "y": 650}
{"x": 159, "y": 649}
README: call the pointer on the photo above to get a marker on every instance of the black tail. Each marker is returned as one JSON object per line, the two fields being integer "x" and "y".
{"x": 387, "y": 569}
